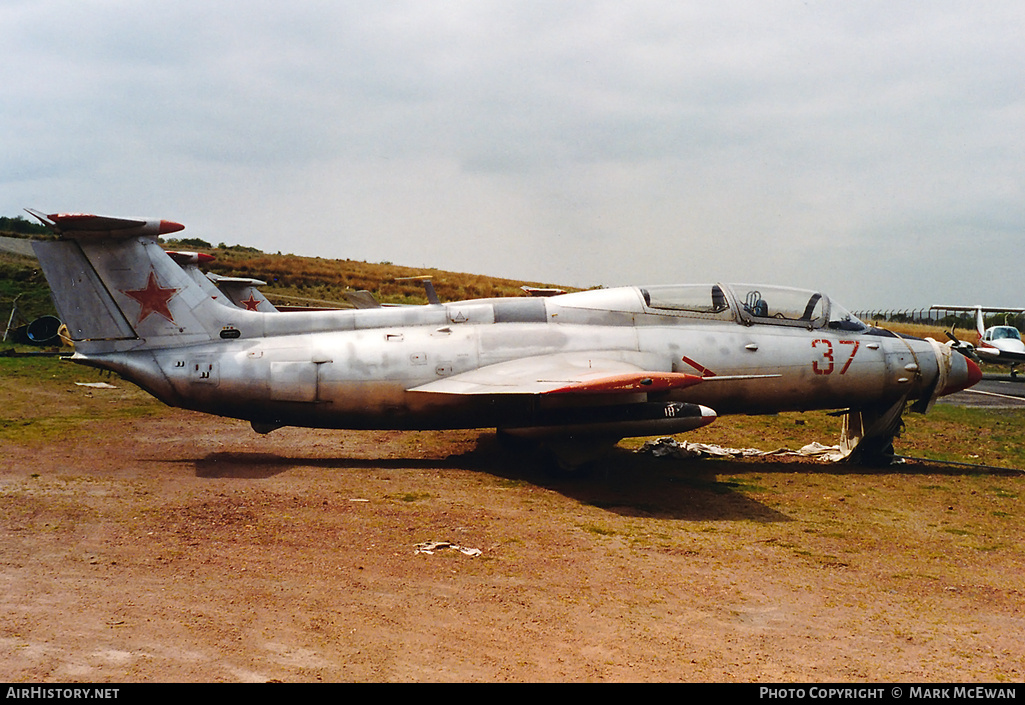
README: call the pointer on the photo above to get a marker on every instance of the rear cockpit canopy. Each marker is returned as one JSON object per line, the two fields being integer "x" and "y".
{"x": 751, "y": 305}
{"x": 697, "y": 300}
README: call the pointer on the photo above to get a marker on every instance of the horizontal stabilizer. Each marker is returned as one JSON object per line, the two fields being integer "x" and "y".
{"x": 79, "y": 225}
{"x": 184, "y": 258}
{"x": 244, "y": 281}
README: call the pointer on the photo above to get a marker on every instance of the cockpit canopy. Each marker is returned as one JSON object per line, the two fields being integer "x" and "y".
{"x": 1002, "y": 333}
{"x": 751, "y": 305}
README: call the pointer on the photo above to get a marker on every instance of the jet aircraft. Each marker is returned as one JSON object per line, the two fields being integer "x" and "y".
{"x": 1000, "y": 344}
{"x": 576, "y": 372}
{"x": 230, "y": 291}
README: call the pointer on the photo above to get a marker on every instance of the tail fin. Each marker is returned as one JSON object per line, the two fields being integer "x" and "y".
{"x": 242, "y": 292}
{"x": 116, "y": 289}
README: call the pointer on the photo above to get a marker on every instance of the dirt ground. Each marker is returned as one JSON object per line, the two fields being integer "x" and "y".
{"x": 181, "y": 547}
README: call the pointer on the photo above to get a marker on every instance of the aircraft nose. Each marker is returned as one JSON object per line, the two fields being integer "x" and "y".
{"x": 963, "y": 374}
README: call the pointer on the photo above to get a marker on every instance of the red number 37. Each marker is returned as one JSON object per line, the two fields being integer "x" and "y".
{"x": 827, "y": 363}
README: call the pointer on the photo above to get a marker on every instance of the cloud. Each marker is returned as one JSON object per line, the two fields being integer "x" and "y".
{"x": 567, "y": 142}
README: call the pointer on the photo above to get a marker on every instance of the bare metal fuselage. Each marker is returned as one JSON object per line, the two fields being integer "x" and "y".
{"x": 363, "y": 368}
{"x": 566, "y": 370}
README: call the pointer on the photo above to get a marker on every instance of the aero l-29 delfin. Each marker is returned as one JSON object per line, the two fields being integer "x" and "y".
{"x": 576, "y": 372}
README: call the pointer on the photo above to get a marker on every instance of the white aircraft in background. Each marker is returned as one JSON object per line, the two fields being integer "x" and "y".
{"x": 575, "y": 372}
{"x": 999, "y": 344}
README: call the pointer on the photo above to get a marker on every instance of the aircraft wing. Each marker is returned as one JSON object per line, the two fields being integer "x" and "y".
{"x": 996, "y": 355}
{"x": 604, "y": 372}
{"x": 595, "y": 395}
{"x": 984, "y": 309}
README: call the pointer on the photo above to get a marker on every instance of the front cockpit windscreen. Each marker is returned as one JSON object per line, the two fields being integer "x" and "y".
{"x": 842, "y": 319}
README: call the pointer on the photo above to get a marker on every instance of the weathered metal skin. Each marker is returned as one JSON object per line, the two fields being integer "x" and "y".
{"x": 482, "y": 363}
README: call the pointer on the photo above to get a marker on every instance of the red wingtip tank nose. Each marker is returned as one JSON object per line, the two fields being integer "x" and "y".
{"x": 169, "y": 226}
{"x": 964, "y": 373}
{"x": 974, "y": 374}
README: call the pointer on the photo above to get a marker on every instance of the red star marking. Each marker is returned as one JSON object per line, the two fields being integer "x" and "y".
{"x": 152, "y": 299}
{"x": 251, "y": 303}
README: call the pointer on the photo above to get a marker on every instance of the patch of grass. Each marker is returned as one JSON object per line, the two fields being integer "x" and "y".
{"x": 748, "y": 484}
{"x": 509, "y": 484}
{"x": 924, "y": 330}
{"x": 409, "y": 496}
{"x": 597, "y": 530}
{"x": 42, "y": 403}
{"x": 981, "y": 436}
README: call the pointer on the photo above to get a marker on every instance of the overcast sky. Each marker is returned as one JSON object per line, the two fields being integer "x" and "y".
{"x": 874, "y": 150}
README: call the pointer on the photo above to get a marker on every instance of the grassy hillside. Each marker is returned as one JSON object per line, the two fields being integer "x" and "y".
{"x": 21, "y": 279}
{"x": 20, "y": 276}
{"x": 291, "y": 279}
{"x": 922, "y": 330}
{"x": 318, "y": 279}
